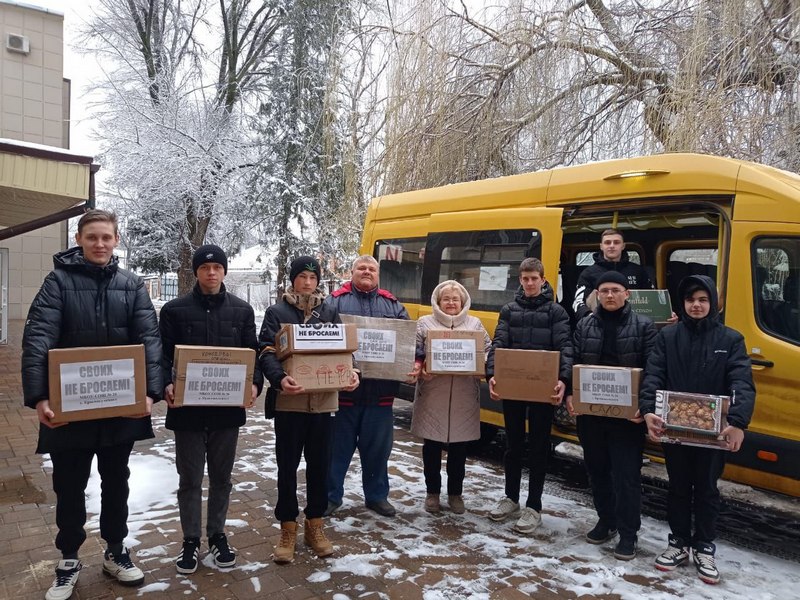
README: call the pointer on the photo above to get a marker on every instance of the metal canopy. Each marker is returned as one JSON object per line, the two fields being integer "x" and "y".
{"x": 41, "y": 185}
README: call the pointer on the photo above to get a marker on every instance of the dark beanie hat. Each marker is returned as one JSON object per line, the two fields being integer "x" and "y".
{"x": 613, "y": 277}
{"x": 209, "y": 254}
{"x": 304, "y": 263}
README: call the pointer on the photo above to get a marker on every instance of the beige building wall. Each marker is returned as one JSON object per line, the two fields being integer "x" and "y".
{"x": 34, "y": 107}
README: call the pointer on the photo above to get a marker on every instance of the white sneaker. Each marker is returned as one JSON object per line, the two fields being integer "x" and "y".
{"x": 122, "y": 568}
{"x": 529, "y": 521}
{"x": 67, "y": 572}
{"x": 504, "y": 509}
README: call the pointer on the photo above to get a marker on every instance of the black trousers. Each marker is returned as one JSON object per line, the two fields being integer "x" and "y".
{"x": 693, "y": 475}
{"x": 612, "y": 453}
{"x": 432, "y": 466}
{"x": 71, "y": 470}
{"x": 297, "y": 435}
{"x": 539, "y": 417}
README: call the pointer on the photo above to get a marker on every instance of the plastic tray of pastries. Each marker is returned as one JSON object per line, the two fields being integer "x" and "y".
{"x": 682, "y": 411}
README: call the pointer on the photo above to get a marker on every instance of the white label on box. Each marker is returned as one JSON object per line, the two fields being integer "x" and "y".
{"x": 376, "y": 346}
{"x": 214, "y": 384}
{"x": 458, "y": 356}
{"x": 97, "y": 384}
{"x": 319, "y": 336}
{"x": 606, "y": 386}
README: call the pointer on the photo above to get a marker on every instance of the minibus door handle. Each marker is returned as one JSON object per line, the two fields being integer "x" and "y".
{"x": 761, "y": 363}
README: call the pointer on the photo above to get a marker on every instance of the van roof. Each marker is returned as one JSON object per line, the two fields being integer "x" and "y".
{"x": 762, "y": 193}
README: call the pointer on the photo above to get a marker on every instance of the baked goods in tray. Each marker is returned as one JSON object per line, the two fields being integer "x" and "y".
{"x": 690, "y": 412}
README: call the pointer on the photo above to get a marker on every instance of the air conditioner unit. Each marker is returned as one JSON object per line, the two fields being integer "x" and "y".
{"x": 17, "y": 43}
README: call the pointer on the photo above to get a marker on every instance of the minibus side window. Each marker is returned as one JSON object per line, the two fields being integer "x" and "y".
{"x": 689, "y": 261}
{"x": 776, "y": 279}
{"x": 484, "y": 262}
{"x": 400, "y": 262}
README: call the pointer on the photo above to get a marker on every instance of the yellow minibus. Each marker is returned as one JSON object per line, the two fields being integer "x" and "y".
{"x": 736, "y": 221}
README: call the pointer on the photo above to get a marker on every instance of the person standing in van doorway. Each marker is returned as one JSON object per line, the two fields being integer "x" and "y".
{"x": 699, "y": 355}
{"x": 208, "y": 316}
{"x": 88, "y": 300}
{"x": 532, "y": 321}
{"x": 611, "y": 257}
{"x": 365, "y": 420}
{"x": 303, "y": 420}
{"x": 613, "y": 335}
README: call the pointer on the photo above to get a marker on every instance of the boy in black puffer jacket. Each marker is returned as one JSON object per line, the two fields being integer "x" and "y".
{"x": 616, "y": 336}
{"x": 698, "y": 355}
{"x": 87, "y": 300}
{"x": 208, "y": 316}
{"x": 531, "y": 322}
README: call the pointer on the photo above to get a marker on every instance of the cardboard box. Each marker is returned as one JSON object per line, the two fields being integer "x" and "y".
{"x": 605, "y": 391}
{"x": 213, "y": 376}
{"x": 318, "y": 338}
{"x": 651, "y": 303}
{"x": 97, "y": 382}
{"x": 705, "y": 430}
{"x": 320, "y": 372}
{"x": 528, "y": 375}
{"x": 455, "y": 352}
{"x": 386, "y": 347}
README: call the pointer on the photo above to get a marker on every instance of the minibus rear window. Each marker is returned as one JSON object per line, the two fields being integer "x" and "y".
{"x": 400, "y": 263}
{"x": 776, "y": 283}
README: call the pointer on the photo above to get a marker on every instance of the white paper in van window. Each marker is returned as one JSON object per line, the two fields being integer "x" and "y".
{"x": 390, "y": 252}
{"x": 494, "y": 278}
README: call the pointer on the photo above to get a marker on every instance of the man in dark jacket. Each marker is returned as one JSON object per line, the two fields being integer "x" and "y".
{"x": 87, "y": 300}
{"x": 208, "y": 316}
{"x": 698, "y": 355}
{"x": 364, "y": 420}
{"x": 531, "y": 322}
{"x": 303, "y": 423}
{"x": 612, "y": 257}
{"x": 613, "y": 335}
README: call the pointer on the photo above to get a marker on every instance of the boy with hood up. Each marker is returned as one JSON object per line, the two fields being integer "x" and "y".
{"x": 698, "y": 355}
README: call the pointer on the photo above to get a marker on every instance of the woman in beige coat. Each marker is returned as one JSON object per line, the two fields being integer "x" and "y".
{"x": 446, "y": 408}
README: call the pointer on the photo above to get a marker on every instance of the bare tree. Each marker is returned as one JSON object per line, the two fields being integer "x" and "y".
{"x": 179, "y": 74}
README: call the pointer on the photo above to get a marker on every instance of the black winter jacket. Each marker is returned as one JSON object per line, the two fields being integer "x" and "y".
{"x": 198, "y": 319}
{"x": 81, "y": 304}
{"x": 637, "y": 277}
{"x": 535, "y": 323}
{"x": 284, "y": 313}
{"x": 349, "y": 300}
{"x": 703, "y": 357}
{"x": 636, "y": 336}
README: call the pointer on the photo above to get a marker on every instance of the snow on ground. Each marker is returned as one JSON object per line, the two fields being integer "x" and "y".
{"x": 446, "y": 555}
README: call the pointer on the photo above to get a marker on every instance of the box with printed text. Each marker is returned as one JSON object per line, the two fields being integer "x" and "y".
{"x": 455, "y": 352}
{"x": 320, "y": 372}
{"x": 386, "y": 347}
{"x": 315, "y": 338}
{"x": 213, "y": 376}
{"x": 97, "y": 382}
{"x": 605, "y": 391}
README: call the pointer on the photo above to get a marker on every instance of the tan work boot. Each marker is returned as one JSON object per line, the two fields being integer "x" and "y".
{"x": 315, "y": 538}
{"x": 456, "y": 504}
{"x": 432, "y": 504}
{"x": 284, "y": 551}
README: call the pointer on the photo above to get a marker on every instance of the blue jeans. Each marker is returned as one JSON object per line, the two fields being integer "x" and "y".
{"x": 370, "y": 429}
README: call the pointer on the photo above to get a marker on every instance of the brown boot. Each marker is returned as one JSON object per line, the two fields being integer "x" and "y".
{"x": 315, "y": 538}
{"x": 284, "y": 551}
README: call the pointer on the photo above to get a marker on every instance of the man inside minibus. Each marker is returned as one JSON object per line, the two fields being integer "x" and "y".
{"x": 612, "y": 257}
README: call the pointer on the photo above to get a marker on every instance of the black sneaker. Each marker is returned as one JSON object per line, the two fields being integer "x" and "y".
{"x": 600, "y": 534}
{"x": 703, "y": 557}
{"x": 67, "y": 572}
{"x": 382, "y": 507}
{"x": 676, "y": 554}
{"x": 626, "y": 549}
{"x": 189, "y": 557}
{"x": 224, "y": 557}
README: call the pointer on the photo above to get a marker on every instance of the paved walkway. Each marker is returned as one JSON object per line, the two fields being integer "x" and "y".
{"x": 411, "y": 557}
